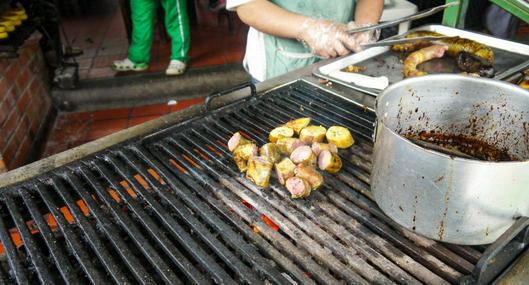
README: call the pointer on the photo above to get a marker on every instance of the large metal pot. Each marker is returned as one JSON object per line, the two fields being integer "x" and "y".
{"x": 440, "y": 196}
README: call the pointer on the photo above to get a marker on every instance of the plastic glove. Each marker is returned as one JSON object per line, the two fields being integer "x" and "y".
{"x": 363, "y": 37}
{"x": 325, "y": 38}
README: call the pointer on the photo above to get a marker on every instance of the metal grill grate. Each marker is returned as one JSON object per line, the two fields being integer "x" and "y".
{"x": 173, "y": 208}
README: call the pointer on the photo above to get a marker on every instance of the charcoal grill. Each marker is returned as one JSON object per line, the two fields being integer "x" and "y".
{"x": 172, "y": 208}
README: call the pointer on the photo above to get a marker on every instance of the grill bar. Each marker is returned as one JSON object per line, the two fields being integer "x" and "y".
{"x": 131, "y": 261}
{"x": 91, "y": 236}
{"x": 285, "y": 246}
{"x": 236, "y": 265}
{"x": 126, "y": 223}
{"x": 235, "y": 240}
{"x": 57, "y": 253}
{"x": 35, "y": 255}
{"x": 15, "y": 263}
{"x": 73, "y": 241}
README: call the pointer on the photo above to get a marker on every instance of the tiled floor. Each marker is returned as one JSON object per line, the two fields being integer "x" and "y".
{"x": 100, "y": 32}
{"x": 73, "y": 129}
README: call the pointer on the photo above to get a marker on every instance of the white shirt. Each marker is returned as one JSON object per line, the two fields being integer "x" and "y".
{"x": 255, "y": 56}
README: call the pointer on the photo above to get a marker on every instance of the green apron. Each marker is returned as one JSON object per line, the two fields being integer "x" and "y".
{"x": 284, "y": 55}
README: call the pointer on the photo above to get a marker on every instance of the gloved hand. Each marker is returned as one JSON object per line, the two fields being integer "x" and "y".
{"x": 363, "y": 37}
{"x": 325, "y": 38}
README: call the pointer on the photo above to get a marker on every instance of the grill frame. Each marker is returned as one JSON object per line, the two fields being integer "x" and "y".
{"x": 139, "y": 151}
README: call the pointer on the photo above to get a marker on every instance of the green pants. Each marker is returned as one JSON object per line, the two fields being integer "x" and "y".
{"x": 176, "y": 23}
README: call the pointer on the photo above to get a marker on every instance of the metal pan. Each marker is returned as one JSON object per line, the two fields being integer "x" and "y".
{"x": 510, "y": 58}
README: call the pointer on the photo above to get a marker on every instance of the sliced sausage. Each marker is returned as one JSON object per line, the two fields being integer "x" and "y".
{"x": 304, "y": 155}
{"x": 329, "y": 162}
{"x": 236, "y": 140}
{"x": 319, "y": 147}
{"x": 298, "y": 187}
{"x": 310, "y": 174}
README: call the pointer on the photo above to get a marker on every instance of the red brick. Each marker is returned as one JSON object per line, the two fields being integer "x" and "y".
{"x": 23, "y": 80}
{"x": 4, "y": 65}
{"x": 21, "y": 157}
{"x": 4, "y": 111}
{"x": 11, "y": 123}
{"x": 35, "y": 85}
{"x": 10, "y": 99}
{"x": 4, "y": 88}
{"x": 10, "y": 151}
{"x": 23, "y": 101}
{"x": 12, "y": 73}
{"x": 20, "y": 133}
{"x": 26, "y": 54}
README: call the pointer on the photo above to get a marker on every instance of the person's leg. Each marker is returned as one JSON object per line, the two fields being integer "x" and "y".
{"x": 177, "y": 25}
{"x": 142, "y": 14}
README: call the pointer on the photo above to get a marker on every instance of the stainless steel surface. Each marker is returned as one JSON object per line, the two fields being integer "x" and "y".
{"x": 403, "y": 41}
{"x": 510, "y": 57}
{"x": 447, "y": 198}
{"x": 416, "y": 16}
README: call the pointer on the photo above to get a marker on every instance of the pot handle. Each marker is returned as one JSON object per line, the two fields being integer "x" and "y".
{"x": 501, "y": 253}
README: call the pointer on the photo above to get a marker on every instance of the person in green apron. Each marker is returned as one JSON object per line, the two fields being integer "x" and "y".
{"x": 289, "y": 34}
{"x": 177, "y": 26}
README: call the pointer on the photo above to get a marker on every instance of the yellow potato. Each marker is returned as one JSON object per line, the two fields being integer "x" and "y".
{"x": 280, "y": 132}
{"x": 312, "y": 134}
{"x": 298, "y": 124}
{"x": 340, "y": 136}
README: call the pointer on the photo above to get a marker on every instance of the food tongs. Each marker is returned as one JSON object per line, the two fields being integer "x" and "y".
{"x": 415, "y": 16}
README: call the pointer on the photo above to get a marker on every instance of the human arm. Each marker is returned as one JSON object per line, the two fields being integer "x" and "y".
{"x": 325, "y": 38}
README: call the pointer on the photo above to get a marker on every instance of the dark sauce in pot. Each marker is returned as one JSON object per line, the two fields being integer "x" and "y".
{"x": 453, "y": 144}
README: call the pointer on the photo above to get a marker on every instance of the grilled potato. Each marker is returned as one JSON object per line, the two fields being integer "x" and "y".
{"x": 298, "y": 124}
{"x": 284, "y": 170}
{"x": 312, "y": 134}
{"x": 340, "y": 136}
{"x": 242, "y": 153}
{"x": 259, "y": 170}
{"x": 280, "y": 132}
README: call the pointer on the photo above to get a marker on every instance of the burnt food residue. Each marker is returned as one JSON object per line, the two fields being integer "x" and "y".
{"x": 469, "y": 147}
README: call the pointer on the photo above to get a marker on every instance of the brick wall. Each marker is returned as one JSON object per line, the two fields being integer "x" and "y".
{"x": 24, "y": 102}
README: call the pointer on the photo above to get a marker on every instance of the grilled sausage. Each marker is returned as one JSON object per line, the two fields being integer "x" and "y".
{"x": 298, "y": 187}
{"x": 340, "y": 136}
{"x": 310, "y": 174}
{"x": 271, "y": 152}
{"x": 298, "y": 124}
{"x": 329, "y": 162}
{"x": 420, "y": 56}
{"x": 287, "y": 145}
{"x": 236, "y": 140}
{"x": 456, "y": 45}
{"x": 312, "y": 134}
{"x": 280, "y": 132}
{"x": 319, "y": 147}
{"x": 284, "y": 170}
{"x": 242, "y": 153}
{"x": 304, "y": 155}
{"x": 259, "y": 170}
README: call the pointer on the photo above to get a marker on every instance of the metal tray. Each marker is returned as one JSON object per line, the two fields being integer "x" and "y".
{"x": 509, "y": 58}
